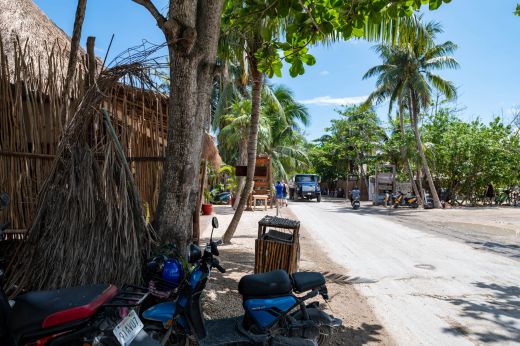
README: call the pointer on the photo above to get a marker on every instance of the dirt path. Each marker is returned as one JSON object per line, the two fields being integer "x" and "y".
{"x": 425, "y": 288}
{"x": 361, "y": 327}
{"x": 492, "y": 229}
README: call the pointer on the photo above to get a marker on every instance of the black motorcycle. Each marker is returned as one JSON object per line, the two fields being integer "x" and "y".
{"x": 90, "y": 315}
{"x": 274, "y": 314}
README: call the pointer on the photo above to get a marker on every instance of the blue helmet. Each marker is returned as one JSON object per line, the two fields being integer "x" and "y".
{"x": 173, "y": 272}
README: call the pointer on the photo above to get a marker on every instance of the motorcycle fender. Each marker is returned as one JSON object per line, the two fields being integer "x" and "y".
{"x": 319, "y": 316}
{"x": 163, "y": 312}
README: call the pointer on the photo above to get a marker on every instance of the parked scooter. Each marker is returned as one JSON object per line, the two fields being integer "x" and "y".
{"x": 404, "y": 201}
{"x": 222, "y": 197}
{"x": 355, "y": 197}
{"x": 274, "y": 315}
{"x": 89, "y": 315}
{"x": 356, "y": 204}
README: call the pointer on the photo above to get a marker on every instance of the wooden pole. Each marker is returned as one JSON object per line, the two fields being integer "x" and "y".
{"x": 91, "y": 60}
{"x": 196, "y": 213}
{"x": 73, "y": 58}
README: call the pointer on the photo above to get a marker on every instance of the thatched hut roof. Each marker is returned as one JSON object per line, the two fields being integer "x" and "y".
{"x": 210, "y": 151}
{"x": 24, "y": 20}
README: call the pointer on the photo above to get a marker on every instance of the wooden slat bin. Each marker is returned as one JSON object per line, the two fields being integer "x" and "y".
{"x": 277, "y": 246}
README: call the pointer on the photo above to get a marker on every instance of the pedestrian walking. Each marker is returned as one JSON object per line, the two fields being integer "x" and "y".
{"x": 285, "y": 193}
{"x": 279, "y": 193}
{"x": 490, "y": 194}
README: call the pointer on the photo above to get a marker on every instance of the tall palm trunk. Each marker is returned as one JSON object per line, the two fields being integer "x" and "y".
{"x": 404, "y": 154}
{"x": 415, "y": 115}
{"x": 242, "y": 161}
{"x": 257, "y": 79}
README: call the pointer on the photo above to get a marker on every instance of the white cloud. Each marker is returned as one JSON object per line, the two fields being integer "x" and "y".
{"x": 336, "y": 101}
{"x": 324, "y": 73}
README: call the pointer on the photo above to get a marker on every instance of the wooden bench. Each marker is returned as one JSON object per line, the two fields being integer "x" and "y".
{"x": 264, "y": 198}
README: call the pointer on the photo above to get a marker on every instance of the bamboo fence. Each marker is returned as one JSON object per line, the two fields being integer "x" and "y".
{"x": 32, "y": 123}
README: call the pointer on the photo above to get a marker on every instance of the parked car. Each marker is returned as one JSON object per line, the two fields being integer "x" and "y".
{"x": 305, "y": 186}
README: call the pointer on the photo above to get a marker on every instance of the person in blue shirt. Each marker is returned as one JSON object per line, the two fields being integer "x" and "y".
{"x": 355, "y": 194}
{"x": 279, "y": 193}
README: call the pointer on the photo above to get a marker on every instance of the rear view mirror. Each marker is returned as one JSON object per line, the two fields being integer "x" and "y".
{"x": 214, "y": 222}
{"x": 4, "y": 200}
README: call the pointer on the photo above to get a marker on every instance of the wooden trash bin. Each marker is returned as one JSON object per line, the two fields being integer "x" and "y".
{"x": 277, "y": 246}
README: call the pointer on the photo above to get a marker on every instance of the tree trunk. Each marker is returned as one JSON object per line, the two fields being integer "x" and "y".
{"x": 73, "y": 57}
{"x": 192, "y": 32}
{"x": 364, "y": 179}
{"x": 242, "y": 161}
{"x": 404, "y": 154}
{"x": 257, "y": 79}
{"x": 419, "y": 179}
{"x": 426, "y": 169}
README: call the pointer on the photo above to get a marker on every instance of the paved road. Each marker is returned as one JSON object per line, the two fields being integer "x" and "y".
{"x": 425, "y": 289}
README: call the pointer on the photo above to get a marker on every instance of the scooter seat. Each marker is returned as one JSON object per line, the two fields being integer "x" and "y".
{"x": 39, "y": 310}
{"x": 269, "y": 284}
{"x": 306, "y": 281}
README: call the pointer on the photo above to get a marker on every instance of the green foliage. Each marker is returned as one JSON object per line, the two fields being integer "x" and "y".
{"x": 354, "y": 140}
{"x": 231, "y": 180}
{"x": 469, "y": 156}
{"x": 409, "y": 69}
{"x": 517, "y": 11}
{"x": 207, "y": 196}
{"x": 279, "y": 30}
{"x": 280, "y": 132}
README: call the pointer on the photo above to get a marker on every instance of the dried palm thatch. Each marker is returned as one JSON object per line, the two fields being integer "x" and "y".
{"x": 23, "y": 20}
{"x": 89, "y": 225}
{"x": 210, "y": 151}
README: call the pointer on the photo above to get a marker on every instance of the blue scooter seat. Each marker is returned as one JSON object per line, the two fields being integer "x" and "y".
{"x": 271, "y": 284}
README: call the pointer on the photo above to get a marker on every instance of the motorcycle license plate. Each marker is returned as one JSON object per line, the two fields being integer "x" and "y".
{"x": 128, "y": 328}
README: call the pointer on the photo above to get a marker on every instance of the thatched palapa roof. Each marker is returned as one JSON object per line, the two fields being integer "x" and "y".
{"x": 23, "y": 20}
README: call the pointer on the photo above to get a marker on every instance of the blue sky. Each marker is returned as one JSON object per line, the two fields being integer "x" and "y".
{"x": 486, "y": 32}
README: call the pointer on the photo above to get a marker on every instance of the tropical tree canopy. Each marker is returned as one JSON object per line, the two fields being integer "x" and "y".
{"x": 280, "y": 131}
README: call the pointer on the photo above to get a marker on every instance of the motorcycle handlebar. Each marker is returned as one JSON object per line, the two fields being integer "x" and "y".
{"x": 215, "y": 264}
{"x": 220, "y": 269}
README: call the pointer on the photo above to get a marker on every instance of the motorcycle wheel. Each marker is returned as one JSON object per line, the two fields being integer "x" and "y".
{"x": 174, "y": 339}
{"x": 324, "y": 337}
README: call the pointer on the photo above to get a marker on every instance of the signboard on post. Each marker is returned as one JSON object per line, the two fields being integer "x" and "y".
{"x": 260, "y": 171}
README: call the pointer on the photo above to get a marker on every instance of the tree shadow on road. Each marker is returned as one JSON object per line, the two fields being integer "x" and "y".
{"x": 501, "y": 309}
{"x": 375, "y": 210}
{"x": 356, "y": 336}
{"x": 511, "y": 250}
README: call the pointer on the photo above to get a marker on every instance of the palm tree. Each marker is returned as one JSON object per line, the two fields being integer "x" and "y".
{"x": 279, "y": 130}
{"x": 287, "y": 144}
{"x": 407, "y": 77}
